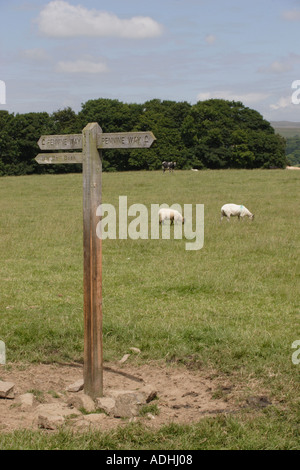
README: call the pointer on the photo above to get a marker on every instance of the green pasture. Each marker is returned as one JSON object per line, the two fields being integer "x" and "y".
{"x": 232, "y": 306}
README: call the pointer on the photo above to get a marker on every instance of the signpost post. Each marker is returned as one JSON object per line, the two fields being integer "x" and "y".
{"x": 91, "y": 141}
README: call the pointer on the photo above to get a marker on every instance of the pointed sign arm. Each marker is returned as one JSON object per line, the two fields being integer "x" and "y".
{"x": 114, "y": 140}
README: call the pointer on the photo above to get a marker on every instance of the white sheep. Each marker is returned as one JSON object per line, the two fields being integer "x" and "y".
{"x": 238, "y": 210}
{"x": 170, "y": 214}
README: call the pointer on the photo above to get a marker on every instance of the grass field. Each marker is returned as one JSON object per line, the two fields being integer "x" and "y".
{"x": 233, "y": 305}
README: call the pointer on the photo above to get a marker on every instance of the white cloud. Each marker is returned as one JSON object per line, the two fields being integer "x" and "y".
{"x": 248, "y": 98}
{"x": 81, "y": 66}
{"x": 277, "y": 67}
{"x": 210, "y": 39}
{"x": 286, "y": 64}
{"x": 283, "y": 102}
{"x": 60, "y": 19}
{"x": 36, "y": 55}
{"x": 291, "y": 15}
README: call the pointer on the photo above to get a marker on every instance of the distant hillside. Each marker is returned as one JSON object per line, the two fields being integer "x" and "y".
{"x": 286, "y": 128}
{"x": 291, "y": 132}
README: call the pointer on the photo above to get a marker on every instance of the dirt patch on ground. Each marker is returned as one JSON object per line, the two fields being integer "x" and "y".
{"x": 183, "y": 396}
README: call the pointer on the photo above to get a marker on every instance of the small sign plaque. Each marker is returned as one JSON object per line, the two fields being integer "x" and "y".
{"x": 49, "y": 158}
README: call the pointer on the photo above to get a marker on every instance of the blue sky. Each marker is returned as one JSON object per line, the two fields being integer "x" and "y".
{"x": 55, "y": 54}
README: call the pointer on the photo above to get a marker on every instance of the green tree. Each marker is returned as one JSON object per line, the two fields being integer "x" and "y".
{"x": 111, "y": 115}
{"x": 65, "y": 121}
{"x": 19, "y": 136}
{"x": 9, "y": 152}
{"x": 210, "y": 134}
{"x": 164, "y": 119}
{"x": 227, "y": 134}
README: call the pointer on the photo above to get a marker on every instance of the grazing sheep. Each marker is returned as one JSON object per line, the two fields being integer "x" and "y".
{"x": 229, "y": 210}
{"x": 170, "y": 214}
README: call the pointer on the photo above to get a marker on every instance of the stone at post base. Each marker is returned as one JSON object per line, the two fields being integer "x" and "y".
{"x": 81, "y": 401}
{"x": 125, "y": 403}
{"x": 51, "y": 416}
{"x": 7, "y": 390}
{"x": 76, "y": 386}
{"x": 106, "y": 404}
{"x": 26, "y": 401}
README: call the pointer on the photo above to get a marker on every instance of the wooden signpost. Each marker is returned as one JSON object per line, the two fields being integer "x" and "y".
{"x": 91, "y": 141}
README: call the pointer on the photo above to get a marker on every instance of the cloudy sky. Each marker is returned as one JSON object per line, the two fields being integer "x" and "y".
{"x": 60, "y": 53}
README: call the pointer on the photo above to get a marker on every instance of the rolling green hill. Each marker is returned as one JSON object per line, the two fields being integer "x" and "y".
{"x": 286, "y": 128}
{"x": 291, "y": 132}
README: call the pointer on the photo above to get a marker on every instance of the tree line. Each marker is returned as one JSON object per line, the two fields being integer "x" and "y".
{"x": 211, "y": 134}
